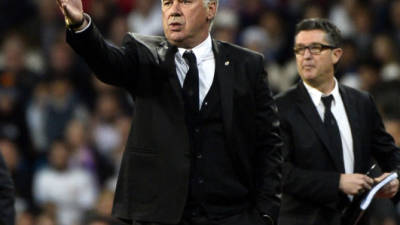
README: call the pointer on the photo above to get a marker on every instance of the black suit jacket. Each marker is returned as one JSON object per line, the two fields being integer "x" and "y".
{"x": 7, "y": 210}
{"x": 312, "y": 169}
{"x": 153, "y": 179}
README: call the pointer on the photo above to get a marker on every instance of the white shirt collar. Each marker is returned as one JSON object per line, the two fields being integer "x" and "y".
{"x": 203, "y": 51}
{"x": 317, "y": 94}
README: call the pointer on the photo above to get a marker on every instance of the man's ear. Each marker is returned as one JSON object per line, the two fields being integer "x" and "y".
{"x": 336, "y": 55}
{"x": 211, "y": 9}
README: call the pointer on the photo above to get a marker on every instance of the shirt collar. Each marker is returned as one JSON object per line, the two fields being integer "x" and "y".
{"x": 316, "y": 94}
{"x": 203, "y": 51}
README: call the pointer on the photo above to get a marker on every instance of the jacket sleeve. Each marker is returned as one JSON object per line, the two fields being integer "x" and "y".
{"x": 269, "y": 145}
{"x": 320, "y": 187}
{"x": 383, "y": 148}
{"x": 111, "y": 64}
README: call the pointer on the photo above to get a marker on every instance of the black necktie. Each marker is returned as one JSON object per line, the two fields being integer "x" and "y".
{"x": 191, "y": 83}
{"x": 332, "y": 127}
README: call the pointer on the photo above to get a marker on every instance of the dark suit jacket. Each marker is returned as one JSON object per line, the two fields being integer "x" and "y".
{"x": 7, "y": 211}
{"x": 312, "y": 169}
{"x": 153, "y": 179}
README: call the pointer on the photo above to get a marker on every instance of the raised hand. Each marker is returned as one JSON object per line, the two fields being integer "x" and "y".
{"x": 72, "y": 10}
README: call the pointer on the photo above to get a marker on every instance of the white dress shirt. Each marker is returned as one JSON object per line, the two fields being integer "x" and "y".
{"x": 205, "y": 64}
{"x": 339, "y": 112}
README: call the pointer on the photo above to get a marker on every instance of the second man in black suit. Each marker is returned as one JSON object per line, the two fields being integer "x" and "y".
{"x": 332, "y": 134}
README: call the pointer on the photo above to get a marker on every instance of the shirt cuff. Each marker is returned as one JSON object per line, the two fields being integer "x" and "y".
{"x": 89, "y": 19}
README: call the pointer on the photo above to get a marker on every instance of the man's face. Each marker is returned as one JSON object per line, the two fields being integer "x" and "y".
{"x": 186, "y": 22}
{"x": 315, "y": 68}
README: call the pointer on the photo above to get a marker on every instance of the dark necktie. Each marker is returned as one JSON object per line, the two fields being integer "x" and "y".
{"x": 191, "y": 83}
{"x": 332, "y": 127}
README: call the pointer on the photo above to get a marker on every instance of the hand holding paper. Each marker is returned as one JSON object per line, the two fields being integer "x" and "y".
{"x": 355, "y": 183}
{"x": 389, "y": 190}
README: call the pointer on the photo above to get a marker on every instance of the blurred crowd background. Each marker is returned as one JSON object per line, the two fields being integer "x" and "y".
{"x": 62, "y": 132}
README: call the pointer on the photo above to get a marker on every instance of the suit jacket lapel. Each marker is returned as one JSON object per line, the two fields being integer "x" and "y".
{"x": 309, "y": 111}
{"x": 166, "y": 56}
{"x": 224, "y": 75}
{"x": 351, "y": 111}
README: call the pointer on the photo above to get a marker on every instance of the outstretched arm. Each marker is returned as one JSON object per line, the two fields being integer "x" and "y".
{"x": 111, "y": 64}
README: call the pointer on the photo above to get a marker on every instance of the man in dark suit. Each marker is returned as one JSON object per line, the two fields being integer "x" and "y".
{"x": 332, "y": 134}
{"x": 204, "y": 146}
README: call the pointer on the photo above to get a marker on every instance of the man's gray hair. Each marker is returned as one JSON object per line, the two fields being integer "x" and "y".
{"x": 206, "y": 2}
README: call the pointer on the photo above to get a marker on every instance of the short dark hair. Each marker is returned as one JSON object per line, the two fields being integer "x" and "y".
{"x": 333, "y": 34}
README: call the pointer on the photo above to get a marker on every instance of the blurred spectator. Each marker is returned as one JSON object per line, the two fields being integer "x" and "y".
{"x": 20, "y": 174}
{"x": 363, "y": 24}
{"x": 395, "y": 21}
{"x": 341, "y": 15}
{"x": 102, "y": 209}
{"x": 13, "y": 123}
{"x": 255, "y": 38}
{"x": 7, "y": 194}
{"x": 62, "y": 65}
{"x": 126, "y": 6}
{"x": 83, "y": 154}
{"x": 392, "y": 126}
{"x": 63, "y": 105}
{"x": 387, "y": 96}
{"x": 13, "y": 14}
{"x": 61, "y": 60}
{"x": 226, "y": 25}
{"x": 25, "y": 218}
{"x": 123, "y": 126}
{"x": 146, "y": 18}
{"x": 106, "y": 136}
{"x": 102, "y": 13}
{"x": 105, "y": 203}
{"x": 313, "y": 10}
{"x": 71, "y": 190}
{"x": 250, "y": 14}
{"x": 46, "y": 26}
{"x": 368, "y": 72}
{"x": 36, "y": 117}
{"x": 277, "y": 48}
{"x": 385, "y": 53}
{"x": 46, "y": 219}
{"x": 14, "y": 74}
{"x": 348, "y": 63}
